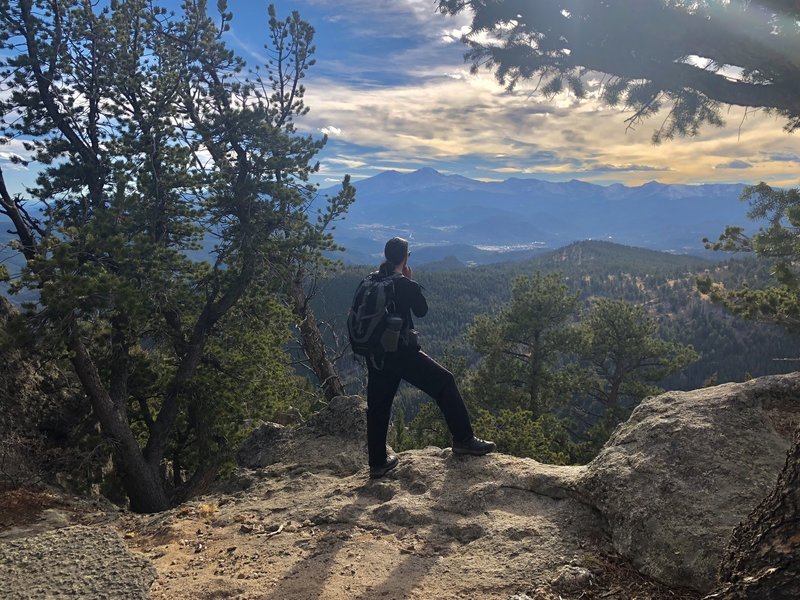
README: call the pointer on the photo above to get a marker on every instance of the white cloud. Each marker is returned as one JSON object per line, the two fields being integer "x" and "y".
{"x": 331, "y": 131}
{"x": 450, "y": 36}
{"x": 11, "y": 156}
{"x": 12, "y": 150}
{"x": 446, "y": 118}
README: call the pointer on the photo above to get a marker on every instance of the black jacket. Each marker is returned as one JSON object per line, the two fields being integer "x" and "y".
{"x": 408, "y": 298}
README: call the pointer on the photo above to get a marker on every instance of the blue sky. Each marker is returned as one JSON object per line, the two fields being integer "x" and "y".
{"x": 392, "y": 91}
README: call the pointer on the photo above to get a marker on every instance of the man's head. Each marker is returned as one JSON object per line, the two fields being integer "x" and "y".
{"x": 396, "y": 250}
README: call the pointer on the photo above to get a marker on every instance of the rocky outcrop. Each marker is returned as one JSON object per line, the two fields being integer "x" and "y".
{"x": 303, "y": 520}
{"x": 345, "y": 417}
{"x": 77, "y": 562}
{"x": 686, "y": 468}
{"x": 670, "y": 485}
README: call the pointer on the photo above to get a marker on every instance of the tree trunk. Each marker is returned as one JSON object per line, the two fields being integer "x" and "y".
{"x": 763, "y": 557}
{"x": 535, "y": 382}
{"x": 613, "y": 394}
{"x": 312, "y": 343}
{"x": 144, "y": 487}
{"x": 193, "y": 354}
{"x": 142, "y": 482}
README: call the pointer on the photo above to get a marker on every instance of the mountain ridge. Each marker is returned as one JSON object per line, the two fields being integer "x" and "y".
{"x": 433, "y": 209}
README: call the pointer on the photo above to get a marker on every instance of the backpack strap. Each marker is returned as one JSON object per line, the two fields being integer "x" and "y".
{"x": 378, "y": 362}
{"x": 394, "y": 277}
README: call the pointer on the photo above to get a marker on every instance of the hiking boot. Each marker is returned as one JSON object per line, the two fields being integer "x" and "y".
{"x": 474, "y": 446}
{"x": 377, "y": 472}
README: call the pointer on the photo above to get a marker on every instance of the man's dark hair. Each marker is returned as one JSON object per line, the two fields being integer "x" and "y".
{"x": 395, "y": 252}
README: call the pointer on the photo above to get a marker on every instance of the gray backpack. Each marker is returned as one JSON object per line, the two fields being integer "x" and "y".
{"x": 372, "y": 314}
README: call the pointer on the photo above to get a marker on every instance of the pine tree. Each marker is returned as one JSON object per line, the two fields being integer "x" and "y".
{"x": 625, "y": 360}
{"x": 156, "y": 144}
{"x": 520, "y": 345}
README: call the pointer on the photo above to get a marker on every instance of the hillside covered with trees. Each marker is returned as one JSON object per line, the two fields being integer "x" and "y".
{"x": 664, "y": 283}
{"x": 642, "y": 286}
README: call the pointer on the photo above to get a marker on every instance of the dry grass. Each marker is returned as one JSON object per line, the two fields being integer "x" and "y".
{"x": 619, "y": 579}
{"x": 207, "y": 509}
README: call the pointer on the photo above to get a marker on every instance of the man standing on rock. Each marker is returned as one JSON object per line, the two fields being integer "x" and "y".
{"x": 415, "y": 367}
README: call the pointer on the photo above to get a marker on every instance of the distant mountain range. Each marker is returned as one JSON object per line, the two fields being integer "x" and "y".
{"x": 452, "y": 220}
{"x": 450, "y": 216}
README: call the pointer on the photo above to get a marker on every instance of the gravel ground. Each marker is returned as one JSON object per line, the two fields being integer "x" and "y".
{"x": 73, "y": 562}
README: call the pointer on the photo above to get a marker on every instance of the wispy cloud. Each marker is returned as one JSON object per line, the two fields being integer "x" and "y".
{"x": 346, "y": 162}
{"x": 453, "y": 35}
{"x": 13, "y": 161}
{"x": 781, "y": 157}
{"x": 256, "y": 55}
{"x": 622, "y": 169}
{"x": 13, "y": 154}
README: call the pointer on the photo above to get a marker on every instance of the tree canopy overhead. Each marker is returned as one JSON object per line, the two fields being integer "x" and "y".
{"x": 690, "y": 57}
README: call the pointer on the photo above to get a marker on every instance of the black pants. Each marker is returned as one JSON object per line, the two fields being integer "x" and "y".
{"x": 421, "y": 371}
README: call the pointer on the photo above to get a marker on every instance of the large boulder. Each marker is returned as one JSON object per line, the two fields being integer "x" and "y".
{"x": 686, "y": 468}
{"x": 266, "y": 445}
{"x": 345, "y": 417}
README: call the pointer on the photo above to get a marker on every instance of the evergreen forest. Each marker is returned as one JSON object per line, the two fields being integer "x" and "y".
{"x": 718, "y": 346}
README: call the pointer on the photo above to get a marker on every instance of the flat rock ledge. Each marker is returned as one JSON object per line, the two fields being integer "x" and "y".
{"x": 73, "y": 562}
